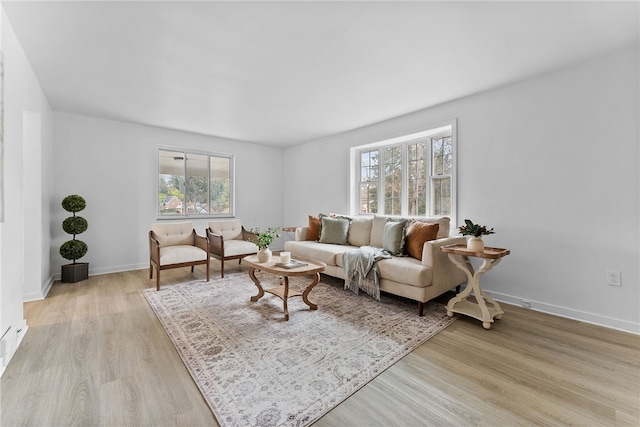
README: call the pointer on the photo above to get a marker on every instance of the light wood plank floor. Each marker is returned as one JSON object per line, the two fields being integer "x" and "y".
{"x": 96, "y": 355}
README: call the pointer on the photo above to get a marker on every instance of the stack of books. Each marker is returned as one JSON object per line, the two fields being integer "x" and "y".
{"x": 292, "y": 264}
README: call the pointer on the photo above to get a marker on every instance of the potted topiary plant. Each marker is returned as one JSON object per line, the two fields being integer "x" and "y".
{"x": 475, "y": 231}
{"x": 263, "y": 239}
{"x": 74, "y": 249}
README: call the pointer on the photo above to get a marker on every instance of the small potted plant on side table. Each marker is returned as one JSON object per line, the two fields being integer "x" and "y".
{"x": 263, "y": 239}
{"x": 475, "y": 233}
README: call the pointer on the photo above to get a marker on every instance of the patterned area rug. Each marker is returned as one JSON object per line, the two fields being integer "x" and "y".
{"x": 255, "y": 369}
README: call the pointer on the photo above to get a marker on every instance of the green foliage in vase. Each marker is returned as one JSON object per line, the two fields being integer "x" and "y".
{"x": 74, "y": 249}
{"x": 264, "y": 238}
{"x": 477, "y": 230}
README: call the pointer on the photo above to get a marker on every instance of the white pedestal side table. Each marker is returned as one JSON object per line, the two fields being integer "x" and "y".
{"x": 459, "y": 255}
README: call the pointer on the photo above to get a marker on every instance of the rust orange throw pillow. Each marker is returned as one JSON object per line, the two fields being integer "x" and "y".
{"x": 313, "y": 233}
{"x": 418, "y": 233}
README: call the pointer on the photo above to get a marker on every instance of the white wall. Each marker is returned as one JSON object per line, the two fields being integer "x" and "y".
{"x": 36, "y": 170}
{"x": 551, "y": 163}
{"x": 23, "y": 221}
{"x": 113, "y": 165}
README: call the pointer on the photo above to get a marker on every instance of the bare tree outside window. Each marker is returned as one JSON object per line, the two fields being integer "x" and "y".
{"x": 393, "y": 180}
{"x": 442, "y": 159}
{"x": 417, "y": 158}
{"x": 411, "y": 176}
{"x": 369, "y": 171}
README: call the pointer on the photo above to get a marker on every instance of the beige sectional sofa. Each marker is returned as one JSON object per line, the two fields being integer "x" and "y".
{"x": 406, "y": 276}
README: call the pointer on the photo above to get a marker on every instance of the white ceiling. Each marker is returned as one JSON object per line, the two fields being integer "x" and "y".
{"x": 284, "y": 73}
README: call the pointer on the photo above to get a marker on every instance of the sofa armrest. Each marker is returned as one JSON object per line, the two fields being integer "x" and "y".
{"x": 216, "y": 243}
{"x": 301, "y": 233}
{"x": 248, "y": 235}
{"x": 201, "y": 241}
{"x": 445, "y": 273}
{"x": 154, "y": 248}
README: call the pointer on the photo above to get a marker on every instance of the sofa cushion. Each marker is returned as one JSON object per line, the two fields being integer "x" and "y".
{"x": 327, "y": 253}
{"x": 401, "y": 269}
{"x": 417, "y": 233}
{"x": 377, "y": 230}
{"x": 313, "y": 232}
{"x": 320, "y": 216}
{"x": 443, "y": 224}
{"x": 335, "y": 230}
{"x": 394, "y": 236}
{"x": 360, "y": 231}
{"x": 405, "y": 270}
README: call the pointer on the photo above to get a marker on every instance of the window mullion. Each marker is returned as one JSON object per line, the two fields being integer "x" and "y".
{"x": 404, "y": 191}
{"x": 381, "y": 179}
{"x": 208, "y": 185}
{"x": 430, "y": 178}
{"x": 185, "y": 185}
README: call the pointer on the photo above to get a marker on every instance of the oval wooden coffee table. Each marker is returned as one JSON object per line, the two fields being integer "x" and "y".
{"x": 312, "y": 268}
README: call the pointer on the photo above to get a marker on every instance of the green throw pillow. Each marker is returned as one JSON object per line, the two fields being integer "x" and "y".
{"x": 334, "y": 230}
{"x": 394, "y": 236}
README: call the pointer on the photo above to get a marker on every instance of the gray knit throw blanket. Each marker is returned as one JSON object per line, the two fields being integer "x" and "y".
{"x": 361, "y": 270}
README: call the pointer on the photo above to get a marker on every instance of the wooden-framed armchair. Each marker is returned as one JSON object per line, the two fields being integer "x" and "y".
{"x": 228, "y": 240}
{"x": 174, "y": 245}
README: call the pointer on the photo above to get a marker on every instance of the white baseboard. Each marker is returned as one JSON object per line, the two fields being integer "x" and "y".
{"x": 117, "y": 268}
{"x": 569, "y": 313}
{"x": 543, "y": 307}
{"x": 36, "y": 296}
{"x": 107, "y": 270}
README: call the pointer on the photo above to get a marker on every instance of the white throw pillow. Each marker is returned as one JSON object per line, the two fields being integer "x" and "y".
{"x": 360, "y": 231}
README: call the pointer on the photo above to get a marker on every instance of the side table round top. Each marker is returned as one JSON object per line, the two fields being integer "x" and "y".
{"x": 488, "y": 253}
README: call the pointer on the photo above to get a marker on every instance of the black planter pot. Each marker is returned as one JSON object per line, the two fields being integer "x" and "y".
{"x": 72, "y": 273}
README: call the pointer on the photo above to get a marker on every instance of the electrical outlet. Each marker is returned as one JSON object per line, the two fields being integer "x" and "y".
{"x": 613, "y": 278}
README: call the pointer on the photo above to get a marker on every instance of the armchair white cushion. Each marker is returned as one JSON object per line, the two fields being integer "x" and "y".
{"x": 228, "y": 239}
{"x": 176, "y": 244}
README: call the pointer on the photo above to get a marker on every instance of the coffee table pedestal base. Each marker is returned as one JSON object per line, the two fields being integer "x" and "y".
{"x": 283, "y": 292}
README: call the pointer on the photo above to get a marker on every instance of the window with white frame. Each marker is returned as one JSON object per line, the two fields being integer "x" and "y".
{"x": 192, "y": 183}
{"x": 410, "y": 176}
